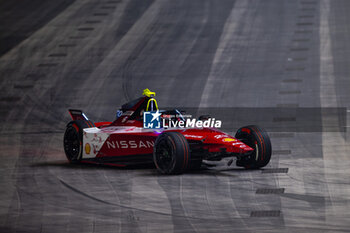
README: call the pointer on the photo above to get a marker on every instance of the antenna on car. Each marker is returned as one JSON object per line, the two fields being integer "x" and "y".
{"x": 148, "y": 93}
{"x": 152, "y": 103}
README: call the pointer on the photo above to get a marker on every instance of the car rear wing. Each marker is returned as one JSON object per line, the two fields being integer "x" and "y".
{"x": 77, "y": 114}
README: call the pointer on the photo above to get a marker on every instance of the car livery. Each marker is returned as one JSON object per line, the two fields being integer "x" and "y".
{"x": 125, "y": 141}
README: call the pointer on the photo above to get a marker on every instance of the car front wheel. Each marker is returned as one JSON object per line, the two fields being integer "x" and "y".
{"x": 171, "y": 153}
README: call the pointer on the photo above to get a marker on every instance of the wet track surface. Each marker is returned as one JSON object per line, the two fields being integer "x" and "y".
{"x": 96, "y": 55}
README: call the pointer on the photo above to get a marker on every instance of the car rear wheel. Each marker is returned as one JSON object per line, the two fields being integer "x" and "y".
{"x": 171, "y": 153}
{"x": 259, "y": 140}
{"x": 73, "y": 139}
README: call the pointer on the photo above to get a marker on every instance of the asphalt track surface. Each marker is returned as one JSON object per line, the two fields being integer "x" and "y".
{"x": 96, "y": 55}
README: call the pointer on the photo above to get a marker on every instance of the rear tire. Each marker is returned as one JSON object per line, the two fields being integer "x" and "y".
{"x": 73, "y": 139}
{"x": 259, "y": 140}
{"x": 171, "y": 153}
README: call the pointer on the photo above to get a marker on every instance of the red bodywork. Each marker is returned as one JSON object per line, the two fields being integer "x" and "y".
{"x": 125, "y": 141}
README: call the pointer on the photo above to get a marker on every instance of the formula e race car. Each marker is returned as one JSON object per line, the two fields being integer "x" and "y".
{"x": 131, "y": 140}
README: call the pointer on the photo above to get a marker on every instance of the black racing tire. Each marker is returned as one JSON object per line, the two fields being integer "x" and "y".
{"x": 259, "y": 140}
{"x": 73, "y": 139}
{"x": 171, "y": 153}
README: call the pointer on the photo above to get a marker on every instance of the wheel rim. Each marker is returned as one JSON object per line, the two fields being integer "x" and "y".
{"x": 72, "y": 143}
{"x": 164, "y": 155}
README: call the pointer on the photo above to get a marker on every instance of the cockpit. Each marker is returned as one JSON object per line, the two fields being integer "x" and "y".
{"x": 133, "y": 111}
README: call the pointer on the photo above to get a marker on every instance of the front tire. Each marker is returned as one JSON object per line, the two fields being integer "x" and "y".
{"x": 171, "y": 153}
{"x": 259, "y": 140}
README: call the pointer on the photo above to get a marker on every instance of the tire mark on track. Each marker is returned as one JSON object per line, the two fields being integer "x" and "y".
{"x": 124, "y": 206}
{"x": 32, "y": 132}
{"x": 127, "y": 67}
{"x": 130, "y": 39}
{"x": 221, "y": 59}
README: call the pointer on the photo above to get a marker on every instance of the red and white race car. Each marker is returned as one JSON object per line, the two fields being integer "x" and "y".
{"x": 125, "y": 141}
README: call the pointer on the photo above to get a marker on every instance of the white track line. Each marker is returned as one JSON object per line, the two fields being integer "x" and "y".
{"x": 335, "y": 149}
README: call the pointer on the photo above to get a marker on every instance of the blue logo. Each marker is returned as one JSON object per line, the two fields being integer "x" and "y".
{"x": 151, "y": 120}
